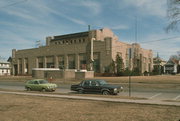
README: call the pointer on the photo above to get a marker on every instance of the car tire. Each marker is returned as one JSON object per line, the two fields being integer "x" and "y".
{"x": 80, "y": 91}
{"x": 105, "y": 92}
{"x": 43, "y": 90}
{"x": 28, "y": 89}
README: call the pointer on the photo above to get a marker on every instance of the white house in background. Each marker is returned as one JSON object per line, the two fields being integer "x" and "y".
{"x": 5, "y": 68}
{"x": 171, "y": 67}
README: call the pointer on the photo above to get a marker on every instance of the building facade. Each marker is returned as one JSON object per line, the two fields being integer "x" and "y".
{"x": 158, "y": 65}
{"x": 5, "y": 68}
{"x": 172, "y": 67}
{"x": 91, "y": 50}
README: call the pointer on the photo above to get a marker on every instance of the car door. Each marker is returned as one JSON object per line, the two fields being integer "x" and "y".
{"x": 91, "y": 86}
{"x": 95, "y": 87}
{"x": 35, "y": 85}
{"x": 86, "y": 86}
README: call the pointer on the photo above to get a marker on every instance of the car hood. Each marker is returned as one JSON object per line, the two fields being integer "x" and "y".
{"x": 110, "y": 86}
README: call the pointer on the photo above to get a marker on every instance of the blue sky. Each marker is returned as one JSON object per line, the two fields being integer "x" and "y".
{"x": 23, "y": 22}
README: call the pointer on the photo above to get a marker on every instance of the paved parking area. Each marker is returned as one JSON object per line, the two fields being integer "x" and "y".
{"x": 154, "y": 95}
{"x": 148, "y": 95}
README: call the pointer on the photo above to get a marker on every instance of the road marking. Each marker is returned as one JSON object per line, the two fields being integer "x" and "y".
{"x": 155, "y": 95}
{"x": 176, "y": 97}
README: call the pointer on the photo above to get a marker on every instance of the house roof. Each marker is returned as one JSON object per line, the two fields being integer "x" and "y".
{"x": 172, "y": 62}
{"x": 3, "y": 61}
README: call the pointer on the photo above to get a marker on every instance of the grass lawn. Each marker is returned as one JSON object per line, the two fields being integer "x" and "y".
{"x": 164, "y": 79}
{"x": 32, "y": 108}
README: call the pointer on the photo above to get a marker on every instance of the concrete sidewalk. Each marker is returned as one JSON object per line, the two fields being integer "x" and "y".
{"x": 136, "y": 101}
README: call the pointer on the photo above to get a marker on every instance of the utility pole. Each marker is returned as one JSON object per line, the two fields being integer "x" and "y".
{"x": 130, "y": 85}
{"x": 91, "y": 48}
{"x": 158, "y": 62}
{"x": 136, "y": 29}
{"x": 134, "y": 59}
{"x": 89, "y": 28}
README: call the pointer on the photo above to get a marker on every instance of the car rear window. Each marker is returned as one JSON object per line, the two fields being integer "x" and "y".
{"x": 43, "y": 81}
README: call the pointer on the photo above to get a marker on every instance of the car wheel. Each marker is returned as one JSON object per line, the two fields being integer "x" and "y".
{"x": 28, "y": 89}
{"x": 43, "y": 90}
{"x": 105, "y": 92}
{"x": 80, "y": 91}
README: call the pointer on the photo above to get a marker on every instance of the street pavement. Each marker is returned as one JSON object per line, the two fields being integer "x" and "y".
{"x": 149, "y": 94}
{"x": 136, "y": 101}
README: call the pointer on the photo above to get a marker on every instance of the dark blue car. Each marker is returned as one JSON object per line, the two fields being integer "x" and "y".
{"x": 96, "y": 86}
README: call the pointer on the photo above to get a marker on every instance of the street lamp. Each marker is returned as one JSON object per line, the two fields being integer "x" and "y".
{"x": 92, "y": 58}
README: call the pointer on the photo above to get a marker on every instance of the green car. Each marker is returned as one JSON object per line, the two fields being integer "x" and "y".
{"x": 40, "y": 85}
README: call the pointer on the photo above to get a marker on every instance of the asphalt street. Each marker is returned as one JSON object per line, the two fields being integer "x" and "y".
{"x": 136, "y": 91}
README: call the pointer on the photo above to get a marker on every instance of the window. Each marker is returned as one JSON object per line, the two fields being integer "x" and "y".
{"x": 61, "y": 62}
{"x": 40, "y": 65}
{"x": 20, "y": 65}
{"x": 71, "y": 61}
{"x": 36, "y": 82}
{"x": 43, "y": 81}
{"x": 83, "y": 40}
{"x": 87, "y": 83}
{"x": 50, "y": 62}
{"x": 94, "y": 83}
{"x": 50, "y": 65}
{"x": 82, "y": 60}
{"x": 40, "y": 62}
{"x": 96, "y": 63}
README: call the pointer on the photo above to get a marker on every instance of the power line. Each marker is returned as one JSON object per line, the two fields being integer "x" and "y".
{"x": 161, "y": 39}
{"x": 12, "y": 4}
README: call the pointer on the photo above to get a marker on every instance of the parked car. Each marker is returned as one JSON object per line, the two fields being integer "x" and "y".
{"x": 40, "y": 85}
{"x": 96, "y": 86}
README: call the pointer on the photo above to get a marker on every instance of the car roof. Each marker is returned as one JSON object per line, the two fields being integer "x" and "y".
{"x": 36, "y": 79}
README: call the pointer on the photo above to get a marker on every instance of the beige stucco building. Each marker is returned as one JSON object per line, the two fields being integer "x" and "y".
{"x": 91, "y": 50}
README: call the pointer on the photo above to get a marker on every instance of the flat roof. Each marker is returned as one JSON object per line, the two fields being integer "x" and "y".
{"x": 68, "y": 36}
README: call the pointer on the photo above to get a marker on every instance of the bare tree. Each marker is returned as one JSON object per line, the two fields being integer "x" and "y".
{"x": 178, "y": 52}
{"x": 175, "y": 57}
{"x": 173, "y": 13}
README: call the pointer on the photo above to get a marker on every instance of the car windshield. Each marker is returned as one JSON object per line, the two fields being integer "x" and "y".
{"x": 102, "y": 82}
{"x": 43, "y": 81}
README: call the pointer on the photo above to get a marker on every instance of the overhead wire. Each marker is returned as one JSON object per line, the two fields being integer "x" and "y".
{"x": 12, "y": 4}
{"x": 164, "y": 39}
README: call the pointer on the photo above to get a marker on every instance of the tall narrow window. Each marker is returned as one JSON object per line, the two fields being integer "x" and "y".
{"x": 50, "y": 62}
{"x": 82, "y": 61}
{"x": 61, "y": 62}
{"x": 40, "y": 62}
{"x": 71, "y": 61}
